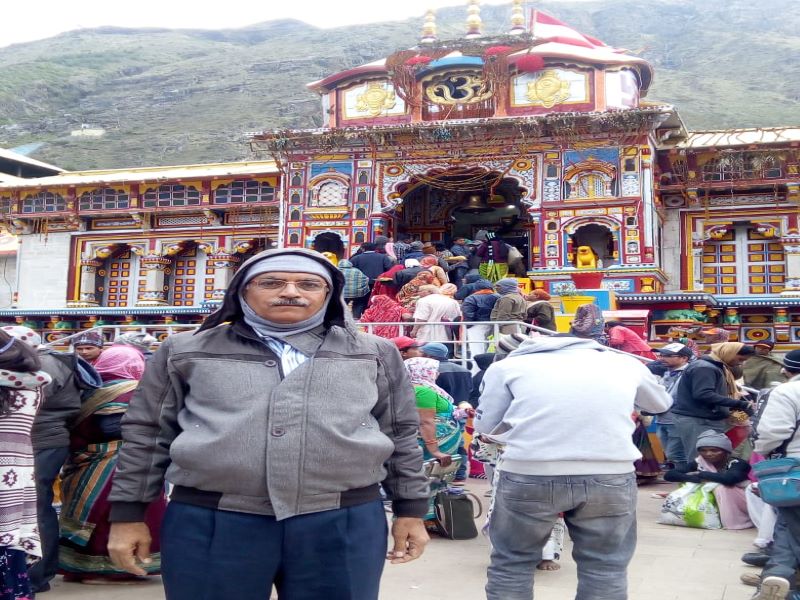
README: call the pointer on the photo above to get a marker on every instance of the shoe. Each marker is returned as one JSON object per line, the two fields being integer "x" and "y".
{"x": 772, "y": 588}
{"x": 755, "y": 559}
{"x": 41, "y": 589}
{"x": 751, "y": 579}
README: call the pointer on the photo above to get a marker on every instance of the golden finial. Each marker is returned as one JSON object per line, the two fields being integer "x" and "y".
{"x": 517, "y": 18}
{"x": 473, "y": 19}
{"x": 429, "y": 28}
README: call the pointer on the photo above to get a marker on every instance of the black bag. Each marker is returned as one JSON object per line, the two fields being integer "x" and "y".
{"x": 455, "y": 516}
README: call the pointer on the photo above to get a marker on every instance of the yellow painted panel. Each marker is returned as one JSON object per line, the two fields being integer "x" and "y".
{"x": 729, "y": 280}
{"x": 776, "y": 247}
{"x": 756, "y": 268}
{"x": 755, "y": 247}
{"x": 727, "y": 259}
{"x": 776, "y": 278}
{"x": 709, "y": 280}
{"x": 755, "y": 257}
{"x": 758, "y": 279}
{"x": 728, "y": 269}
{"x": 757, "y": 289}
{"x": 709, "y": 259}
{"x": 726, "y": 289}
{"x": 709, "y": 270}
{"x": 727, "y": 247}
{"x": 777, "y": 289}
{"x": 776, "y": 256}
{"x": 776, "y": 268}
{"x": 709, "y": 250}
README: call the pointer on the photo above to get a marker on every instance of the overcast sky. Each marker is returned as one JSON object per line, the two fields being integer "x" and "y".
{"x": 27, "y": 21}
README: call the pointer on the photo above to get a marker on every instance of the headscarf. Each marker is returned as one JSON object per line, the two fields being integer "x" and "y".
{"x": 725, "y": 353}
{"x": 120, "y": 362}
{"x": 424, "y": 371}
{"x": 589, "y": 322}
{"x": 538, "y": 294}
{"x": 508, "y": 285}
{"x": 409, "y": 293}
{"x": 382, "y": 309}
{"x": 713, "y": 439}
{"x": 448, "y": 289}
{"x": 386, "y": 288}
{"x": 136, "y": 339}
{"x": 24, "y": 334}
{"x": 428, "y": 261}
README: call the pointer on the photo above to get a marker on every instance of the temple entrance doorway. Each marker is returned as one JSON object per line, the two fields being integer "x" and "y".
{"x": 443, "y": 206}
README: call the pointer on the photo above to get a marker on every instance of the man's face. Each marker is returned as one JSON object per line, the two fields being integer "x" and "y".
{"x": 89, "y": 353}
{"x": 739, "y": 360}
{"x": 289, "y": 303}
{"x": 673, "y": 361}
{"x": 460, "y": 241}
{"x": 412, "y": 352}
{"x": 712, "y": 454}
{"x": 762, "y": 350}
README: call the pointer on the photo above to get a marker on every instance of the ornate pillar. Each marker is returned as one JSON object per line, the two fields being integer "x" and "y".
{"x": 223, "y": 265}
{"x": 792, "y": 258}
{"x": 697, "y": 268}
{"x": 781, "y": 324}
{"x": 154, "y": 293}
{"x": 87, "y": 293}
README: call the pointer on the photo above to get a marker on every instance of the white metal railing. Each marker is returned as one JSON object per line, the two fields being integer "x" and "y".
{"x": 461, "y": 345}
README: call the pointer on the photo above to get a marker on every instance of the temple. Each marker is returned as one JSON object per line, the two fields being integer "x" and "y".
{"x": 539, "y": 134}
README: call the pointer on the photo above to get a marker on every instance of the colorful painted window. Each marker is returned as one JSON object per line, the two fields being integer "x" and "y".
{"x": 590, "y": 185}
{"x": 171, "y": 195}
{"x": 743, "y": 262}
{"x": 244, "y": 191}
{"x": 44, "y": 202}
{"x": 103, "y": 199}
{"x": 121, "y": 280}
{"x": 6, "y": 205}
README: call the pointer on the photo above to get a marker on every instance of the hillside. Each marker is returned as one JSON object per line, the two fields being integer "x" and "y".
{"x": 183, "y": 96}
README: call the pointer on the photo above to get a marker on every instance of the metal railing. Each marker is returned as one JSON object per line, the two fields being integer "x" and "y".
{"x": 157, "y": 331}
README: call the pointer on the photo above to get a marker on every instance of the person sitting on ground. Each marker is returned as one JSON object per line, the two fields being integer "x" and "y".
{"x": 715, "y": 465}
{"x": 540, "y": 312}
{"x": 763, "y": 370}
{"x": 382, "y": 309}
{"x": 409, "y": 294}
{"x": 511, "y": 305}
{"x": 626, "y": 339}
{"x": 89, "y": 345}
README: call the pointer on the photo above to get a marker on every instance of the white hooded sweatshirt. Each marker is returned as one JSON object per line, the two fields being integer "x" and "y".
{"x": 564, "y": 405}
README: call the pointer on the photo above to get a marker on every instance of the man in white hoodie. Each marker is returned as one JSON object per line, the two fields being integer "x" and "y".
{"x": 562, "y": 407}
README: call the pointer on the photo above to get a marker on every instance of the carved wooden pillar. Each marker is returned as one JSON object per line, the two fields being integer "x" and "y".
{"x": 87, "y": 294}
{"x": 154, "y": 293}
{"x": 223, "y": 265}
{"x": 696, "y": 281}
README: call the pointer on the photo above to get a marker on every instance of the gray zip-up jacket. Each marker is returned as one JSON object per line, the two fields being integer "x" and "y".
{"x": 216, "y": 416}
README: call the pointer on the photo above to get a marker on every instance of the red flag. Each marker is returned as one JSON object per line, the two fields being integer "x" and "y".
{"x": 545, "y": 27}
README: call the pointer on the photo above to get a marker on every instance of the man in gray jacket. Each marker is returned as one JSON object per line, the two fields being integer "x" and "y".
{"x": 276, "y": 423}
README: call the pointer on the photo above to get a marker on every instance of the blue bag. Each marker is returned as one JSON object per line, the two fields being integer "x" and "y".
{"x": 779, "y": 481}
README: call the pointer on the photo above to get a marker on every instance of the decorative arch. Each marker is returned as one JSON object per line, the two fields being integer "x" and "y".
{"x": 329, "y": 189}
{"x": 572, "y": 225}
{"x": 591, "y": 178}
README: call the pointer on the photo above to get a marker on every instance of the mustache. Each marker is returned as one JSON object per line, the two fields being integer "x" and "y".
{"x": 288, "y": 302}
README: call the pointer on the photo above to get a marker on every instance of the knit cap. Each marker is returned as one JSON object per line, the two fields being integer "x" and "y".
{"x": 792, "y": 360}
{"x": 89, "y": 338}
{"x": 137, "y": 339}
{"x": 713, "y": 439}
{"x": 507, "y": 285}
{"x": 435, "y": 350}
{"x": 510, "y": 342}
{"x": 289, "y": 263}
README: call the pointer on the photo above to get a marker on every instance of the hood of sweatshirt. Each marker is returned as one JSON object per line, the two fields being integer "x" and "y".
{"x": 554, "y": 343}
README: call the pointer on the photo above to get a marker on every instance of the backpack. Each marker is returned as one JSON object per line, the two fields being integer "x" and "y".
{"x": 86, "y": 377}
{"x": 455, "y": 515}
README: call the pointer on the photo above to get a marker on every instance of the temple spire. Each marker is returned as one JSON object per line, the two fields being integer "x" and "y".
{"x": 517, "y": 18}
{"x": 429, "y": 28}
{"x": 473, "y": 20}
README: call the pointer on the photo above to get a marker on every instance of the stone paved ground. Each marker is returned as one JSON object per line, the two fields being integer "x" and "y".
{"x": 671, "y": 563}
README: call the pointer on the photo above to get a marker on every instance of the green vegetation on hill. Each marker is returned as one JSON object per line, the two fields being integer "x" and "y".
{"x": 185, "y": 96}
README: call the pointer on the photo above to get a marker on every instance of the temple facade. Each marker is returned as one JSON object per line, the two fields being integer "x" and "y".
{"x": 540, "y": 135}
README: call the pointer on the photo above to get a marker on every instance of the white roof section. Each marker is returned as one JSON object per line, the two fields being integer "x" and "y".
{"x": 740, "y": 137}
{"x": 26, "y": 160}
{"x": 111, "y": 176}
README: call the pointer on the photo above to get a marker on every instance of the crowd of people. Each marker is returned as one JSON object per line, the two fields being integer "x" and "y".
{"x": 317, "y": 427}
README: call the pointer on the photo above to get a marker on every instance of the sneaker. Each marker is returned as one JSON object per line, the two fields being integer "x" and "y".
{"x": 756, "y": 559}
{"x": 772, "y": 588}
{"x": 751, "y": 579}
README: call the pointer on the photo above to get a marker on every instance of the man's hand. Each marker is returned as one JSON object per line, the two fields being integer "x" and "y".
{"x": 127, "y": 543}
{"x": 410, "y": 538}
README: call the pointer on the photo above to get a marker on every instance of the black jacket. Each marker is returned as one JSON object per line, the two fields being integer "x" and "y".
{"x": 372, "y": 264}
{"x": 703, "y": 393}
{"x": 478, "y": 307}
{"x": 62, "y": 403}
{"x": 403, "y": 277}
{"x": 735, "y": 472}
{"x": 455, "y": 380}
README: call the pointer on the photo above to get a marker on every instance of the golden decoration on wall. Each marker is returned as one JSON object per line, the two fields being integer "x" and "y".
{"x": 375, "y": 99}
{"x": 548, "y": 89}
{"x": 458, "y": 88}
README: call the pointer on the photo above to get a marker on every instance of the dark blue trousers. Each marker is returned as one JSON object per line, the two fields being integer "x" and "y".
{"x": 209, "y": 554}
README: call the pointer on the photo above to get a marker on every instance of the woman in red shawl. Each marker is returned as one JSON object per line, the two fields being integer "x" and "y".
{"x": 383, "y": 309}
{"x": 86, "y": 478}
{"x": 409, "y": 293}
{"x": 384, "y": 284}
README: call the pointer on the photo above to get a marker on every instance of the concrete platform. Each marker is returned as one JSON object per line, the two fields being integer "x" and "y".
{"x": 671, "y": 563}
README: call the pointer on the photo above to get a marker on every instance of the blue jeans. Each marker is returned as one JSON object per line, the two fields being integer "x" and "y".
{"x": 600, "y": 513}
{"x": 672, "y": 445}
{"x": 209, "y": 554}
{"x": 784, "y": 560}
{"x": 47, "y": 465}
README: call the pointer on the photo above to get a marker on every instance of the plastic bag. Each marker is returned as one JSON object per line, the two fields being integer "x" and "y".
{"x": 692, "y": 505}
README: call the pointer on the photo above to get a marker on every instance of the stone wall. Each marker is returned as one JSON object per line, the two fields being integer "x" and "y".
{"x": 671, "y": 250}
{"x": 44, "y": 269}
{"x": 8, "y": 280}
